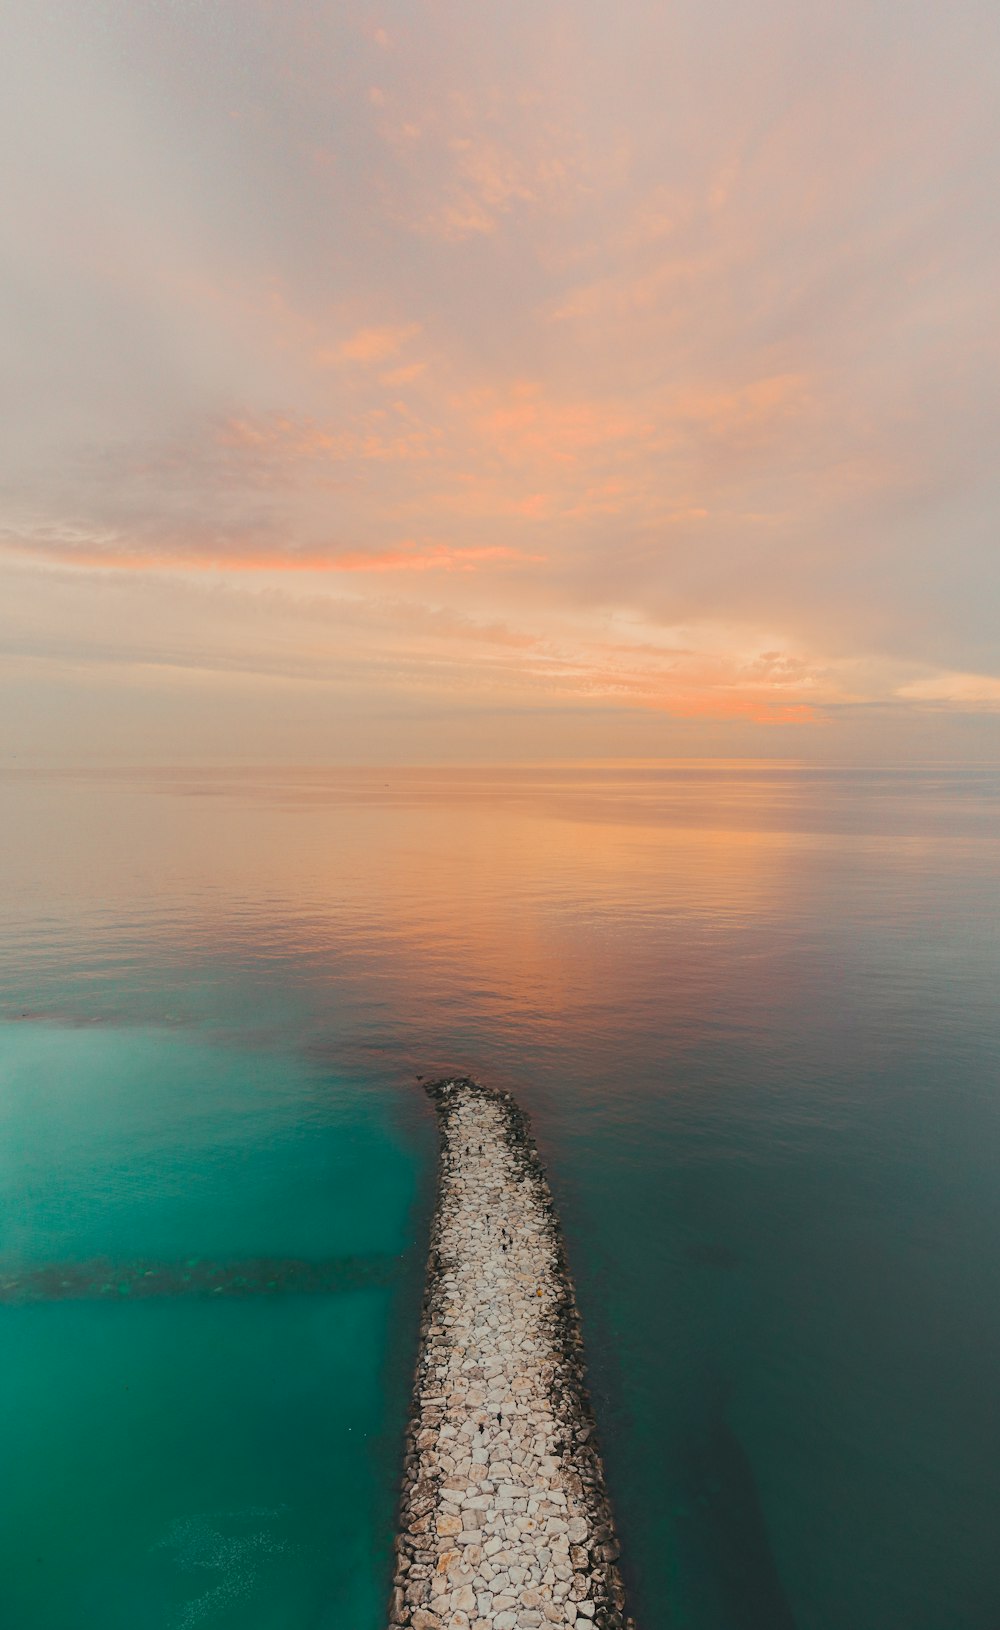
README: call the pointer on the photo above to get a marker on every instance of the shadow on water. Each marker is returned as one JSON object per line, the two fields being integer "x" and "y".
{"x": 721, "y": 1534}
{"x": 103, "y": 1278}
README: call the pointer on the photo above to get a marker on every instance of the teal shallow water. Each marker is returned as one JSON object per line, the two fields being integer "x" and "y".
{"x": 753, "y": 1013}
{"x": 202, "y": 1456}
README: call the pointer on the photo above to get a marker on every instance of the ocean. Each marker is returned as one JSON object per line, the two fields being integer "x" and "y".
{"x": 752, "y": 1010}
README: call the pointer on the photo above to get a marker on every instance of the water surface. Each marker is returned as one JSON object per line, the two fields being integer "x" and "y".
{"x": 752, "y": 1009}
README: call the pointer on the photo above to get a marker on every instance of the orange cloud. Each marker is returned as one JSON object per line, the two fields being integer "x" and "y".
{"x": 687, "y": 686}
{"x": 281, "y": 439}
{"x": 204, "y": 555}
{"x": 403, "y": 376}
{"x": 524, "y": 421}
{"x": 374, "y": 344}
{"x": 746, "y": 411}
{"x": 438, "y": 557}
{"x": 971, "y": 693}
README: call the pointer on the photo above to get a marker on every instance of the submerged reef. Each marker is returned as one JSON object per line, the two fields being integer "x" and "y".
{"x": 104, "y": 1277}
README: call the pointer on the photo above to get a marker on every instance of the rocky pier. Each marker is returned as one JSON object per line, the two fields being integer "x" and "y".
{"x": 505, "y": 1523}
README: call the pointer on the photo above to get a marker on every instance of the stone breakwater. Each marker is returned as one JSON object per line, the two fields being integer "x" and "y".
{"x": 505, "y": 1523}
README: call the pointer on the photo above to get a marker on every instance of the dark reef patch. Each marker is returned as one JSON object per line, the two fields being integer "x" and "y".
{"x": 103, "y": 1278}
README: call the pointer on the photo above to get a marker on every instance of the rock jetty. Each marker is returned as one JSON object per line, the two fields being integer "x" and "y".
{"x": 505, "y": 1522}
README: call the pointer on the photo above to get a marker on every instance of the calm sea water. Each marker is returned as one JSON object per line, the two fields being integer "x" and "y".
{"x": 753, "y": 1011}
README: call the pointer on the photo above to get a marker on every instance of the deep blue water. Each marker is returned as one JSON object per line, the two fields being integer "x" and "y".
{"x": 753, "y": 1011}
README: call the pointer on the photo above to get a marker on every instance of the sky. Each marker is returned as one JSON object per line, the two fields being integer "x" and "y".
{"x": 450, "y": 380}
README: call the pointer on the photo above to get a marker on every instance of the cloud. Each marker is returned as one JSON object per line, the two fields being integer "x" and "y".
{"x": 242, "y": 553}
{"x": 153, "y": 621}
{"x": 278, "y": 441}
{"x": 434, "y": 557}
{"x": 666, "y": 323}
{"x": 968, "y": 693}
{"x": 375, "y": 344}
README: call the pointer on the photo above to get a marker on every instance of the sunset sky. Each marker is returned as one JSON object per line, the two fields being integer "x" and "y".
{"x": 498, "y": 381}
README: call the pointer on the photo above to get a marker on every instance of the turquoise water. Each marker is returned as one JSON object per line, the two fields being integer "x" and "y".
{"x": 753, "y": 1012}
{"x": 200, "y": 1457}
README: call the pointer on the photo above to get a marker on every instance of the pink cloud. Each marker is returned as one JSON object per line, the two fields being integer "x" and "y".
{"x": 205, "y": 552}
{"x": 375, "y": 344}
{"x": 438, "y": 557}
{"x": 286, "y": 440}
